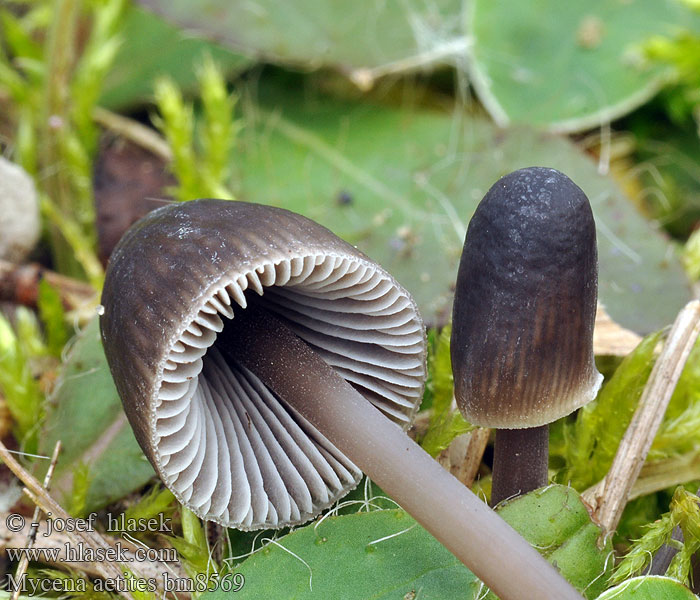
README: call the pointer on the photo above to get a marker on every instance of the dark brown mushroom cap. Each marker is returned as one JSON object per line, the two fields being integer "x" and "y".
{"x": 227, "y": 447}
{"x": 525, "y": 303}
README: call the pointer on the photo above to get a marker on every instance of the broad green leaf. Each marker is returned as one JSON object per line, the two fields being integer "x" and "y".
{"x": 381, "y": 555}
{"x": 568, "y": 66}
{"x": 152, "y": 48}
{"x": 557, "y": 523}
{"x": 650, "y": 587}
{"x": 385, "y": 555}
{"x": 402, "y": 184}
{"x": 389, "y": 36}
{"x": 85, "y": 413}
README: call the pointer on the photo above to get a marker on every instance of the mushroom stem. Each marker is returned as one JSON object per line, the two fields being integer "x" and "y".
{"x": 437, "y": 500}
{"x": 520, "y": 461}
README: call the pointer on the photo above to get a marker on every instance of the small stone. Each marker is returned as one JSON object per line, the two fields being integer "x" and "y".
{"x": 19, "y": 212}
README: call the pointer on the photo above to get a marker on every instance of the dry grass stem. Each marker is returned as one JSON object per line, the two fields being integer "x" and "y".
{"x": 609, "y": 497}
{"x": 31, "y": 537}
{"x": 463, "y": 456}
{"x": 20, "y": 284}
{"x": 668, "y": 472}
{"x": 90, "y": 539}
{"x": 135, "y": 132}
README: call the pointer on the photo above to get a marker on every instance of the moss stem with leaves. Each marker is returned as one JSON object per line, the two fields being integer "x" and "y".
{"x": 60, "y": 54}
{"x": 200, "y": 162}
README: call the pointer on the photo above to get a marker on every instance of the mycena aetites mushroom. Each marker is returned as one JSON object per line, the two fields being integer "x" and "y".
{"x": 263, "y": 363}
{"x": 524, "y": 310}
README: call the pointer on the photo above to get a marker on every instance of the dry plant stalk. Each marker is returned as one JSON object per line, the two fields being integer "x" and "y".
{"x": 20, "y": 284}
{"x": 62, "y": 540}
{"x": 90, "y": 539}
{"x": 665, "y": 473}
{"x": 135, "y": 132}
{"x": 31, "y": 538}
{"x": 463, "y": 456}
{"x": 609, "y": 496}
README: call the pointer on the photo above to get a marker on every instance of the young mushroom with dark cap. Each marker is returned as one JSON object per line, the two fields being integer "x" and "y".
{"x": 523, "y": 316}
{"x": 260, "y": 409}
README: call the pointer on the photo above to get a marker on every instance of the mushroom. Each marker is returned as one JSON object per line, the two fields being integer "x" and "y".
{"x": 523, "y": 316}
{"x": 263, "y": 363}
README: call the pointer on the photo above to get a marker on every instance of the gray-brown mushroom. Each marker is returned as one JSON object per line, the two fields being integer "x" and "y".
{"x": 523, "y": 317}
{"x": 264, "y": 363}
{"x": 184, "y": 272}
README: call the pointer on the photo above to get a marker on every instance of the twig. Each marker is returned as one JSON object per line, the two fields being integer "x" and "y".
{"x": 61, "y": 541}
{"x": 135, "y": 132}
{"x": 463, "y": 456}
{"x": 665, "y": 473}
{"x": 20, "y": 284}
{"x": 468, "y": 470}
{"x": 609, "y": 497}
{"x": 31, "y": 538}
{"x": 43, "y": 500}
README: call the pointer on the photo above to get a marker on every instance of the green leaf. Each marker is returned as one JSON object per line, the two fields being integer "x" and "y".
{"x": 176, "y": 123}
{"x": 219, "y": 132}
{"x": 394, "y": 36}
{"x": 440, "y": 369}
{"x": 382, "y": 555}
{"x": 385, "y": 555}
{"x": 568, "y": 66}
{"x": 152, "y": 48}
{"x": 81, "y": 486}
{"x": 650, "y": 587}
{"x": 691, "y": 256}
{"x": 193, "y": 546}
{"x": 85, "y": 413}
{"x": 557, "y": 523}
{"x": 201, "y": 169}
{"x": 17, "y": 37}
{"x": 402, "y": 184}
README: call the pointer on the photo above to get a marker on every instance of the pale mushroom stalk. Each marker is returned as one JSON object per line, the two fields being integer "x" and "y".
{"x": 446, "y": 508}
{"x": 522, "y": 324}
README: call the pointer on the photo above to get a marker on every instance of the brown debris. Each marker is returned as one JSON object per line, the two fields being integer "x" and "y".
{"x": 463, "y": 456}
{"x": 609, "y": 338}
{"x": 129, "y": 182}
{"x": 19, "y": 284}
